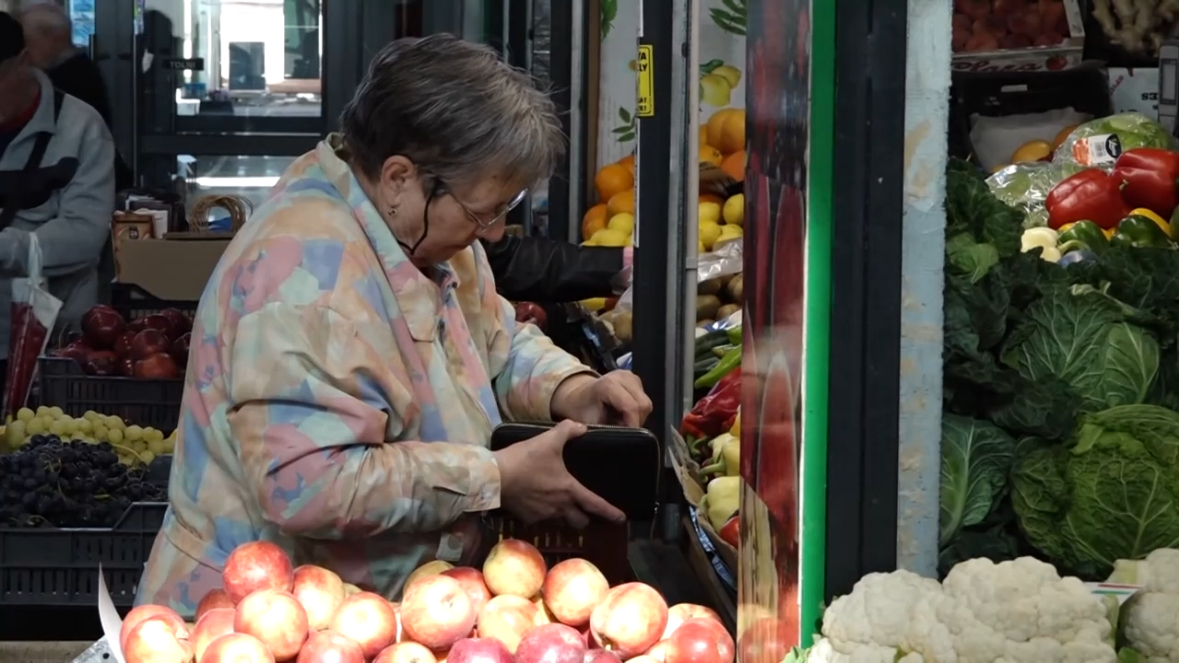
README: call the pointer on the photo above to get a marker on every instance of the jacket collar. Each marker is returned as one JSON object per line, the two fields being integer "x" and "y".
{"x": 43, "y": 120}
{"x": 418, "y": 296}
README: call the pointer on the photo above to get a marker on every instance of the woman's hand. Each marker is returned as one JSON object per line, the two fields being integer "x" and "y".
{"x": 615, "y": 398}
{"x": 535, "y": 485}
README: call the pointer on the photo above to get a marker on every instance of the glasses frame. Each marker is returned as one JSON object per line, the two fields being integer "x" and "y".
{"x": 484, "y": 225}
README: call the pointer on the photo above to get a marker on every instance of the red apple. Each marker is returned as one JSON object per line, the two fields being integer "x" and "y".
{"x": 368, "y": 619}
{"x": 123, "y": 345}
{"x": 350, "y": 589}
{"x": 330, "y": 647}
{"x": 437, "y": 612}
{"x": 700, "y": 640}
{"x": 601, "y": 656}
{"x": 642, "y": 658}
{"x": 514, "y": 567}
{"x": 137, "y": 325}
{"x": 478, "y": 650}
{"x": 629, "y": 619}
{"x": 431, "y": 568}
{"x": 543, "y": 614}
{"x": 572, "y": 589}
{"x": 256, "y": 565}
{"x": 101, "y": 327}
{"x": 320, "y": 591}
{"x": 276, "y": 618}
{"x": 551, "y": 643}
{"x": 214, "y": 600}
{"x": 160, "y": 323}
{"x": 237, "y": 648}
{"x": 472, "y": 583}
{"x": 158, "y": 639}
{"x": 78, "y": 351}
{"x": 125, "y": 368}
{"x": 658, "y": 651}
{"x": 766, "y": 639}
{"x": 682, "y": 612}
{"x": 406, "y": 652}
{"x": 140, "y": 613}
{"x": 181, "y": 324}
{"x": 149, "y": 342}
{"x": 101, "y": 362}
{"x": 211, "y": 625}
{"x": 179, "y": 349}
{"x": 507, "y": 618}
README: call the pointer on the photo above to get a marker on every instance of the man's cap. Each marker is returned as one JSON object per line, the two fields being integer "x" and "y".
{"x": 12, "y": 36}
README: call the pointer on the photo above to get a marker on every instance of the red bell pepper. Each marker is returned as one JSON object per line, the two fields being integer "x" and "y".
{"x": 731, "y": 532}
{"x": 1151, "y": 178}
{"x": 714, "y": 411}
{"x": 1090, "y": 195}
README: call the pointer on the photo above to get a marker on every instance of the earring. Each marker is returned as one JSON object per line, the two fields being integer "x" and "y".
{"x": 392, "y": 211}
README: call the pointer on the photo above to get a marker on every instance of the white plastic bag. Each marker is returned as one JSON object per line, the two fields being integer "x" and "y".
{"x": 33, "y": 314}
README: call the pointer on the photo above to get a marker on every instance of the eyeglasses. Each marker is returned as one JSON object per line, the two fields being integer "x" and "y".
{"x": 476, "y": 219}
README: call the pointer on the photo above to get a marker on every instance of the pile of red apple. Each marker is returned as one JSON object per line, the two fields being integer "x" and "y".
{"x": 153, "y": 347}
{"x": 515, "y": 610}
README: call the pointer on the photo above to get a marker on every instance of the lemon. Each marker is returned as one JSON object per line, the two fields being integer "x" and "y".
{"x": 700, "y": 247}
{"x": 622, "y": 222}
{"x": 710, "y": 231}
{"x": 729, "y": 73}
{"x": 708, "y": 212}
{"x": 594, "y": 304}
{"x": 715, "y": 90}
{"x": 610, "y": 237}
{"x": 734, "y": 211}
{"x": 729, "y": 232}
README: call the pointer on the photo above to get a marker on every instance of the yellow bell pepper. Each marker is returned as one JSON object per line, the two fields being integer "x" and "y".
{"x": 721, "y": 501}
{"x": 726, "y": 456}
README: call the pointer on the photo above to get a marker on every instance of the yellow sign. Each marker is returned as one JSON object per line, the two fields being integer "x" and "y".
{"x": 646, "y": 102}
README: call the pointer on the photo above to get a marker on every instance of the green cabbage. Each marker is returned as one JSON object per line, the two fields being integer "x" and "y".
{"x": 1111, "y": 493}
{"x": 1134, "y": 130}
{"x": 976, "y": 458}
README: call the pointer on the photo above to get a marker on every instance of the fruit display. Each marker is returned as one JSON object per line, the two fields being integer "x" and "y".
{"x": 513, "y": 610}
{"x": 153, "y": 347}
{"x": 991, "y": 25}
{"x": 52, "y": 482}
{"x": 132, "y": 444}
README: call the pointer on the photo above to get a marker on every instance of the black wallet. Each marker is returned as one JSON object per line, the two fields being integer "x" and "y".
{"x": 621, "y": 465}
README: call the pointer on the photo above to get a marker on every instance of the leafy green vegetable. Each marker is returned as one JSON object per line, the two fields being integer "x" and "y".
{"x": 970, "y": 257}
{"x": 1081, "y": 340}
{"x": 972, "y": 209}
{"x": 1133, "y": 130}
{"x": 1113, "y": 495}
{"x": 976, "y": 458}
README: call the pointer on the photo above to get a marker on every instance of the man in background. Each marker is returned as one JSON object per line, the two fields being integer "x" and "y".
{"x": 57, "y": 182}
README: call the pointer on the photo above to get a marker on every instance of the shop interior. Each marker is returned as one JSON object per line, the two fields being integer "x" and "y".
{"x": 899, "y": 284}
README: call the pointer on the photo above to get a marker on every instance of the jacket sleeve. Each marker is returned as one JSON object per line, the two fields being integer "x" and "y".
{"x": 538, "y": 269}
{"x": 73, "y": 239}
{"x": 312, "y": 424}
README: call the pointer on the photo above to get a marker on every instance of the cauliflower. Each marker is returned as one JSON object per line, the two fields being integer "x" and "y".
{"x": 1149, "y": 620}
{"x": 1019, "y": 611}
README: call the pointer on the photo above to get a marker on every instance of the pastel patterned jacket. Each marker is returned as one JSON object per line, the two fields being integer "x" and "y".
{"x": 338, "y": 401}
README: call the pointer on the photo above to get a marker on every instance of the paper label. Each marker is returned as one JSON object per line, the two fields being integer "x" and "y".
{"x": 1097, "y": 150}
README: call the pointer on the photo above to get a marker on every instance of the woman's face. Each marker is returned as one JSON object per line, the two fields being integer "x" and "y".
{"x": 452, "y": 216}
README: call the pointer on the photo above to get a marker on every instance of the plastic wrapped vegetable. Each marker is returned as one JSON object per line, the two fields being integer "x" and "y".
{"x": 1098, "y": 143}
{"x": 1025, "y": 186}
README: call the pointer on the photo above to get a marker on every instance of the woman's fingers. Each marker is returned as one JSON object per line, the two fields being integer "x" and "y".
{"x": 587, "y": 501}
{"x": 576, "y": 518}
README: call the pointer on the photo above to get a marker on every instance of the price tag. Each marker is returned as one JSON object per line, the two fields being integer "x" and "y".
{"x": 645, "y": 107}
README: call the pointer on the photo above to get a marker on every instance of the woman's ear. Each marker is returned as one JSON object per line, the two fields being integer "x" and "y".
{"x": 396, "y": 175}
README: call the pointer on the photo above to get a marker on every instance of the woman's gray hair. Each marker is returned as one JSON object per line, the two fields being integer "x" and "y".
{"x": 453, "y": 108}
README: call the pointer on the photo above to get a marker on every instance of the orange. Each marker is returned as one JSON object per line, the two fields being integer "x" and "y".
{"x": 594, "y": 220}
{"x": 732, "y": 132}
{"x": 703, "y": 135}
{"x": 715, "y": 127}
{"x": 734, "y": 165}
{"x": 612, "y": 179}
{"x": 711, "y": 198}
{"x": 628, "y": 161}
{"x": 711, "y": 155}
{"x": 622, "y": 202}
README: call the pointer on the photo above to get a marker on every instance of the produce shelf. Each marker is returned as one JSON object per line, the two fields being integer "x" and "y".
{"x": 59, "y": 567}
{"x": 154, "y": 403}
{"x": 132, "y": 301}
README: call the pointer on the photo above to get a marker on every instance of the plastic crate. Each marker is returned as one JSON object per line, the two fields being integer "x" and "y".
{"x": 603, "y": 544}
{"x": 154, "y": 403}
{"x": 133, "y": 302}
{"x": 59, "y": 567}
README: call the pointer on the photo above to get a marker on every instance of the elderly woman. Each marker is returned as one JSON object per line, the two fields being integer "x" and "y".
{"x": 351, "y": 356}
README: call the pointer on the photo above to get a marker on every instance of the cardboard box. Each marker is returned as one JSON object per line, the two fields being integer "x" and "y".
{"x": 175, "y": 268}
{"x": 1037, "y": 58}
{"x": 1135, "y": 90}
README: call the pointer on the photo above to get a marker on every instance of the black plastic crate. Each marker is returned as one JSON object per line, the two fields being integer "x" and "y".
{"x": 154, "y": 403}
{"x": 133, "y": 302}
{"x": 59, "y": 567}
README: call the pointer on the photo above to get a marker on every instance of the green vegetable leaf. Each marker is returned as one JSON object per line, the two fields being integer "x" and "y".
{"x": 969, "y": 257}
{"x": 976, "y": 458}
{"x": 972, "y": 208}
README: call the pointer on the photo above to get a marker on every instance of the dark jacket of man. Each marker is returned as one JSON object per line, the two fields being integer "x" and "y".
{"x": 538, "y": 269}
